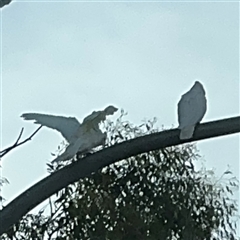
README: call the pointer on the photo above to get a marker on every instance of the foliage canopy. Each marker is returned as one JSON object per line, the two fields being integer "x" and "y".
{"x": 155, "y": 195}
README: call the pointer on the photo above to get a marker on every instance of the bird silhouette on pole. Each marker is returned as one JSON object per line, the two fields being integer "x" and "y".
{"x": 191, "y": 109}
{"x": 80, "y": 137}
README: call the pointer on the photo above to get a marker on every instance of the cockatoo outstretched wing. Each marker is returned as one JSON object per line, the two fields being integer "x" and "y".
{"x": 191, "y": 109}
{"x": 81, "y": 137}
{"x": 99, "y": 116}
{"x": 90, "y": 126}
{"x": 67, "y": 126}
{"x": 88, "y": 136}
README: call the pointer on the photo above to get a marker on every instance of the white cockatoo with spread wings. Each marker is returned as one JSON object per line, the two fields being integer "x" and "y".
{"x": 80, "y": 137}
{"x": 191, "y": 109}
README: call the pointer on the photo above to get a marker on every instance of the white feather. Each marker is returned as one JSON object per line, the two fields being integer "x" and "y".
{"x": 191, "y": 109}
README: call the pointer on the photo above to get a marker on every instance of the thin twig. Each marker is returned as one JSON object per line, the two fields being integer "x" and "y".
{"x": 16, "y": 144}
{"x": 20, "y": 135}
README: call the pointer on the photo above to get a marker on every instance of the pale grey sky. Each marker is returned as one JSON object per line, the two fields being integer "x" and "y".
{"x": 70, "y": 58}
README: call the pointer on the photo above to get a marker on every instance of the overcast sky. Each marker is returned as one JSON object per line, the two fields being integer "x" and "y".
{"x": 70, "y": 58}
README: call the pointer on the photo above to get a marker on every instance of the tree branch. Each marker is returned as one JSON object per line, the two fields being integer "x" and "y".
{"x": 42, "y": 190}
{"x": 16, "y": 144}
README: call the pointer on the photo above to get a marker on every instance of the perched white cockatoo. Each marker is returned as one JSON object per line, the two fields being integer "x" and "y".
{"x": 191, "y": 109}
{"x": 81, "y": 137}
